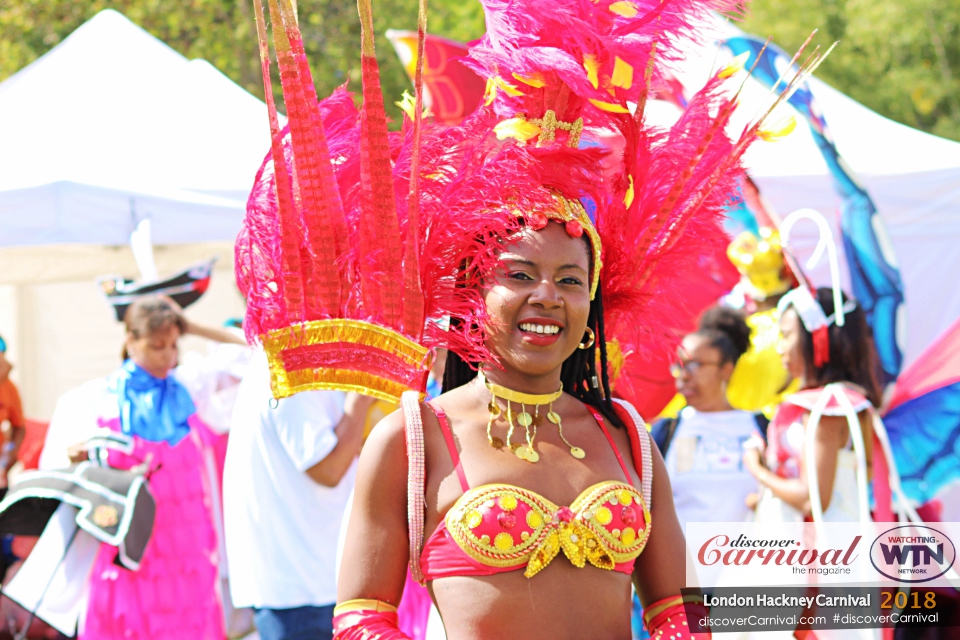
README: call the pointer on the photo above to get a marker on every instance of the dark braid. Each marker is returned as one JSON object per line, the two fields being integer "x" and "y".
{"x": 604, "y": 367}
{"x": 576, "y": 375}
{"x": 580, "y": 369}
{"x": 457, "y": 373}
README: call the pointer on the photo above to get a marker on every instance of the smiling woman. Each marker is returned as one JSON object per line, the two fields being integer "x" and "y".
{"x": 523, "y": 496}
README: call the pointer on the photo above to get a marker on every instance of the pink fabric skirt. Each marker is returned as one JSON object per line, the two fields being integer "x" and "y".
{"x": 175, "y": 594}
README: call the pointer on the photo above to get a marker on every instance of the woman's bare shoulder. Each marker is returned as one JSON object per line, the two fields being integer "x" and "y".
{"x": 384, "y": 454}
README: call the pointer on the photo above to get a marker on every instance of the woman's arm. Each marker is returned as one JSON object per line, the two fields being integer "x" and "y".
{"x": 830, "y": 438}
{"x": 210, "y": 332}
{"x": 217, "y": 334}
{"x": 660, "y": 571}
{"x": 376, "y": 550}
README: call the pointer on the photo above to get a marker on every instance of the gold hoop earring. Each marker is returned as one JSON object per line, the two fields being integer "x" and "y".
{"x": 589, "y": 341}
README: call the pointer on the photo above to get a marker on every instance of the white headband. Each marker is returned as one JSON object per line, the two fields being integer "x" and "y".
{"x": 810, "y": 311}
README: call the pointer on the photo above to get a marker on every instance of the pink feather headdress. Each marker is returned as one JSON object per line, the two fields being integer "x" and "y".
{"x": 359, "y": 245}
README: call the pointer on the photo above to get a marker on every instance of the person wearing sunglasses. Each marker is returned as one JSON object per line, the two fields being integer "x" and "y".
{"x": 703, "y": 446}
{"x": 11, "y": 413}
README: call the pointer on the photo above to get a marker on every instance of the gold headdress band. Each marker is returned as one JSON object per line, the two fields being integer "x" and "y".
{"x": 570, "y": 213}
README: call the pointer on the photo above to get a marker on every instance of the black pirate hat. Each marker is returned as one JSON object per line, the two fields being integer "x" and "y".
{"x": 185, "y": 287}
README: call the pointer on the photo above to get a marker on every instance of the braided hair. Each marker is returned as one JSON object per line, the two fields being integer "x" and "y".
{"x": 579, "y": 375}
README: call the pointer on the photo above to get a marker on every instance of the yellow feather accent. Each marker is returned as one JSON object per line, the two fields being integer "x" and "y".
{"x": 781, "y": 129}
{"x": 735, "y": 66}
{"x": 409, "y": 105}
{"x": 506, "y": 87}
{"x": 624, "y": 8}
{"x": 628, "y": 197}
{"x": 593, "y": 69}
{"x": 536, "y": 80}
{"x": 489, "y": 93}
{"x": 516, "y": 128}
{"x": 609, "y": 106}
{"x": 622, "y": 74}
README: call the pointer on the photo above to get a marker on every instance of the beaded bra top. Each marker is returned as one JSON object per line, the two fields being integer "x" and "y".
{"x": 500, "y": 527}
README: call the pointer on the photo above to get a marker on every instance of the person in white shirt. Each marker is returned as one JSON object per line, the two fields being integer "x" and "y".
{"x": 703, "y": 446}
{"x": 289, "y": 471}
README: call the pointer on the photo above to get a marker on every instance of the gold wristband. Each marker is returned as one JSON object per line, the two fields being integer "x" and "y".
{"x": 361, "y": 604}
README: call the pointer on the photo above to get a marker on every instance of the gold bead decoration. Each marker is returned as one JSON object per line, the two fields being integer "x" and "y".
{"x": 578, "y": 453}
{"x": 591, "y": 543}
{"x": 553, "y": 417}
{"x": 503, "y": 541}
{"x": 532, "y": 456}
{"x": 485, "y": 539}
{"x": 625, "y": 498}
{"x": 616, "y": 533}
{"x": 534, "y": 519}
{"x": 628, "y": 537}
{"x": 525, "y": 536}
{"x": 473, "y": 519}
{"x": 508, "y": 502}
{"x": 525, "y": 419}
{"x": 604, "y": 516}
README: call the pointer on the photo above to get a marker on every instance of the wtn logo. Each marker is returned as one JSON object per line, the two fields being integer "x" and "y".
{"x": 912, "y": 554}
{"x": 922, "y": 554}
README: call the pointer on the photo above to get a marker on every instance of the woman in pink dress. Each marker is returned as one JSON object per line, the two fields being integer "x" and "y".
{"x": 175, "y": 592}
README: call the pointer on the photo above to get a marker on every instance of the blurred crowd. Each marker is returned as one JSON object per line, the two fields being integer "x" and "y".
{"x": 249, "y": 492}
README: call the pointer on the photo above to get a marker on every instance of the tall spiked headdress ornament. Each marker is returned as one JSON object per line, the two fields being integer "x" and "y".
{"x": 359, "y": 243}
{"x": 333, "y": 288}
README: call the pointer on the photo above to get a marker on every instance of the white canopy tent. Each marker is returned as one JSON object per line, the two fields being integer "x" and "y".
{"x": 112, "y": 126}
{"x": 912, "y": 177}
{"x": 109, "y": 128}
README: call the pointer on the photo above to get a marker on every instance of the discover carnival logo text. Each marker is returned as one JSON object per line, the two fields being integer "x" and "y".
{"x": 912, "y": 553}
{"x": 743, "y": 551}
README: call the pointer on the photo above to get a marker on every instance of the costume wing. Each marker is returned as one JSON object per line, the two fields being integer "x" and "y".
{"x": 923, "y": 419}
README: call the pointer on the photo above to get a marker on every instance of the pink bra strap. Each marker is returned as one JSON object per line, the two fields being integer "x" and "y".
{"x": 451, "y": 446}
{"x": 599, "y": 419}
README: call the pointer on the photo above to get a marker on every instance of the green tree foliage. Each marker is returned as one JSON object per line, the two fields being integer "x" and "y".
{"x": 224, "y": 33}
{"x": 901, "y": 58}
{"x": 898, "y": 57}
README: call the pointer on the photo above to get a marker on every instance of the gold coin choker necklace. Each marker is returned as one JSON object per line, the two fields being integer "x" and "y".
{"x": 524, "y": 419}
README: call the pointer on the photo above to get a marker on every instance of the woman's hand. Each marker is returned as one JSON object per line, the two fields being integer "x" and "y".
{"x": 753, "y": 462}
{"x": 78, "y": 452}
